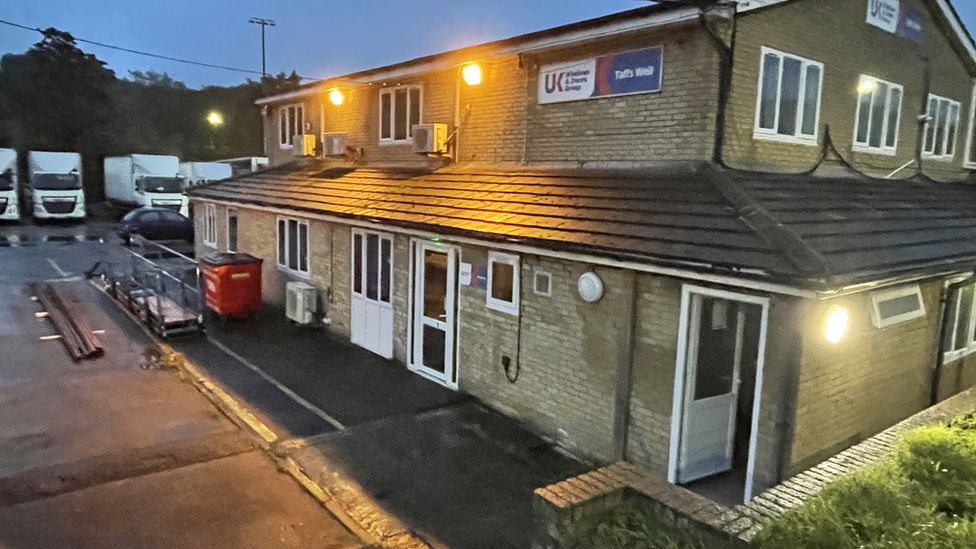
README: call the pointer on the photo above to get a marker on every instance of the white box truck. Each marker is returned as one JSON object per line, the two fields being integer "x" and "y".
{"x": 54, "y": 185}
{"x": 138, "y": 180}
{"x": 198, "y": 173}
{"x": 8, "y": 185}
{"x": 246, "y": 164}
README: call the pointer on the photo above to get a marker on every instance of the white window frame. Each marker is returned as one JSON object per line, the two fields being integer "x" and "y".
{"x": 955, "y": 354}
{"x": 928, "y": 149}
{"x": 290, "y": 132}
{"x": 283, "y": 261}
{"x": 773, "y": 134}
{"x": 968, "y": 162}
{"x": 210, "y": 225}
{"x": 865, "y": 146}
{"x": 535, "y": 282}
{"x": 232, "y": 212}
{"x": 510, "y": 307}
{"x": 391, "y": 91}
{"x": 895, "y": 293}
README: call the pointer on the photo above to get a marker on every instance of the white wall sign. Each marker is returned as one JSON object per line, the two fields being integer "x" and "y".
{"x": 465, "y": 274}
{"x": 884, "y": 14}
{"x": 623, "y": 73}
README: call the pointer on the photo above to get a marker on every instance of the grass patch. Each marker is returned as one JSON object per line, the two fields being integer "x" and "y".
{"x": 922, "y": 497}
{"x": 633, "y": 525}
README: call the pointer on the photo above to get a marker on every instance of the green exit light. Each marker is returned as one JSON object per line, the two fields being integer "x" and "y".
{"x": 435, "y": 239}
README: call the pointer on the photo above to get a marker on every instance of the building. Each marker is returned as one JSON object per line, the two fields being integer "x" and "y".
{"x": 651, "y": 236}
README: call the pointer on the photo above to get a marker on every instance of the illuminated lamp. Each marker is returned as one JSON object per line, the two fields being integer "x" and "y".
{"x": 336, "y": 97}
{"x": 471, "y": 74}
{"x": 836, "y": 322}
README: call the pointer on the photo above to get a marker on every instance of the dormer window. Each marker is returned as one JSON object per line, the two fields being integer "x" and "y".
{"x": 400, "y": 109}
{"x": 291, "y": 122}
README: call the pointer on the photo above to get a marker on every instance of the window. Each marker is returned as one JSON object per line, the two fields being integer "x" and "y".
{"x": 231, "y": 230}
{"x": 971, "y": 139}
{"x": 400, "y": 109}
{"x": 788, "y": 107}
{"x": 210, "y": 225}
{"x": 959, "y": 337}
{"x": 293, "y": 245}
{"x": 941, "y": 127}
{"x": 503, "y": 282}
{"x": 291, "y": 122}
{"x": 542, "y": 283}
{"x": 897, "y": 305}
{"x": 878, "y": 115}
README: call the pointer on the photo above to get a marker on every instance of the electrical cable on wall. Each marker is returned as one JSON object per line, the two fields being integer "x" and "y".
{"x": 513, "y": 378}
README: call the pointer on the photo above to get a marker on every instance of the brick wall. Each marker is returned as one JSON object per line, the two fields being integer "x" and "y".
{"x": 852, "y": 48}
{"x": 869, "y": 381}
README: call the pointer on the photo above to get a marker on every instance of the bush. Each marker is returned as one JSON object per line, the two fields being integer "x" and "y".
{"x": 940, "y": 465}
{"x": 632, "y": 526}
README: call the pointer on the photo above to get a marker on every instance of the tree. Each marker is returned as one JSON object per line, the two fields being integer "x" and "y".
{"x": 154, "y": 78}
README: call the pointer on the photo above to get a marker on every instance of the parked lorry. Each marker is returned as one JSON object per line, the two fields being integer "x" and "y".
{"x": 246, "y": 164}
{"x": 54, "y": 185}
{"x": 137, "y": 180}
{"x": 198, "y": 173}
{"x": 8, "y": 185}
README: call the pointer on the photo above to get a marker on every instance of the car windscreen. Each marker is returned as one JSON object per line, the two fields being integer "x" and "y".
{"x": 7, "y": 180}
{"x": 154, "y": 184}
{"x": 56, "y": 181}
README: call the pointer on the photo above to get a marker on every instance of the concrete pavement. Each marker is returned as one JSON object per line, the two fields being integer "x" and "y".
{"x": 102, "y": 453}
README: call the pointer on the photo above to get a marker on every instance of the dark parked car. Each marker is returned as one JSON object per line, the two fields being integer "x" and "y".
{"x": 156, "y": 224}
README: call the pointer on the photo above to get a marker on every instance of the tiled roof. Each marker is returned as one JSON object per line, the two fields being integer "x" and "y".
{"x": 808, "y": 231}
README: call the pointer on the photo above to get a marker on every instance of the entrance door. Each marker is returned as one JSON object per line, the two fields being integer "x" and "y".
{"x": 372, "y": 292}
{"x": 714, "y": 361}
{"x": 434, "y": 311}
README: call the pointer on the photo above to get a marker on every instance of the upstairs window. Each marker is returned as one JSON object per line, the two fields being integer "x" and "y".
{"x": 788, "y": 107}
{"x": 878, "y": 115}
{"x": 941, "y": 128}
{"x": 291, "y": 122}
{"x": 959, "y": 337}
{"x": 400, "y": 109}
{"x": 231, "y": 230}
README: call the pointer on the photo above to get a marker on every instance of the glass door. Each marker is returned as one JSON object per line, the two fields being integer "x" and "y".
{"x": 434, "y": 306}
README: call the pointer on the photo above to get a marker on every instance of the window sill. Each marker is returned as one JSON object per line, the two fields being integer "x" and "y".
{"x": 283, "y": 147}
{"x": 211, "y": 245}
{"x": 790, "y": 140}
{"x": 938, "y": 158}
{"x": 502, "y": 306}
{"x": 969, "y": 165}
{"x": 388, "y": 142}
{"x": 953, "y": 356}
{"x": 864, "y": 149}
{"x": 292, "y": 272}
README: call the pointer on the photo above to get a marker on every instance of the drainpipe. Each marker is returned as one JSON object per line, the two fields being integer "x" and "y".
{"x": 726, "y": 59}
{"x": 947, "y": 294}
{"x": 923, "y": 118}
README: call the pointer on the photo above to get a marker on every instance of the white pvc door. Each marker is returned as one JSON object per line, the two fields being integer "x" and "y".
{"x": 372, "y": 292}
{"x": 712, "y": 380}
{"x": 434, "y": 312}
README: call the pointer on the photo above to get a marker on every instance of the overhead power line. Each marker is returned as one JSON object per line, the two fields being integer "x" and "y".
{"x": 147, "y": 54}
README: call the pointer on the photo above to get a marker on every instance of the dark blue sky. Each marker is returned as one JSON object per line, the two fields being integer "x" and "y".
{"x": 315, "y": 37}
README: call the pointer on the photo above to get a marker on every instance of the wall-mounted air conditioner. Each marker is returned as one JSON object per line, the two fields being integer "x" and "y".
{"x": 334, "y": 144}
{"x": 301, "y": 302}
{"x": 303, "y": 145}
{"x": 430, "y": 138}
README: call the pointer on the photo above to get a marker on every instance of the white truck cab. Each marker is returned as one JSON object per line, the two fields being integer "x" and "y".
{"x": 138, "y": 180}
{"x": 54, "y": 185}
{"x": 8, "y": 186}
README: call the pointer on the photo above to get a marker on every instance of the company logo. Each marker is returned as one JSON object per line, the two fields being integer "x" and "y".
{"x": 605, "y": 76}
{"x": 884, "y": 14}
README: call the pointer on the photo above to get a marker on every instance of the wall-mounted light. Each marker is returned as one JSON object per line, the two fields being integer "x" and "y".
{"x": 336, "y": 97}
{"x": 867, "y": 85}
{"x": 836, "y": 322}
{"x": 472, "y": 74}
{"x": 590, "y": 287}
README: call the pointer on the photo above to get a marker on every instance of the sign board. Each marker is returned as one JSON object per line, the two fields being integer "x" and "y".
{"x": 911, "y": 24}
{"x": 465, "y": 274}
{"x": 884, "y": 14}
{"x": 625, "y": 73}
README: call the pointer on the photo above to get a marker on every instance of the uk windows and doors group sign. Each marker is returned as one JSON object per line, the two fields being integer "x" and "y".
{"x": 625, "y": 73}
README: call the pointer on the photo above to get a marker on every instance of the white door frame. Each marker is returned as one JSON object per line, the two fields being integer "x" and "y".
{"x": 452, "y": 306}
{"x": 363, "y": 233}
{"x": 678, "y": 404}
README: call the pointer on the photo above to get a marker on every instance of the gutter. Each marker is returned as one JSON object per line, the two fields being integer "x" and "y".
{"x": 947, "y": 294}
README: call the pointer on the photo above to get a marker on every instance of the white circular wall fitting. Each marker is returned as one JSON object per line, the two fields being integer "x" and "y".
{"x": 590, "y": 287}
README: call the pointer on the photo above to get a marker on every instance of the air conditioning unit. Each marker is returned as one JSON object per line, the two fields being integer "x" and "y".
{"x": 430, "y": 138}
{"x": 301, "y": 302}
{"x": 303, "y": 145}
{"x": 334, "y": 144}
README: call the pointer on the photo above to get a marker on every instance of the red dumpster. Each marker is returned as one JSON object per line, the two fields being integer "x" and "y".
{"x": 232, "y": 284}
